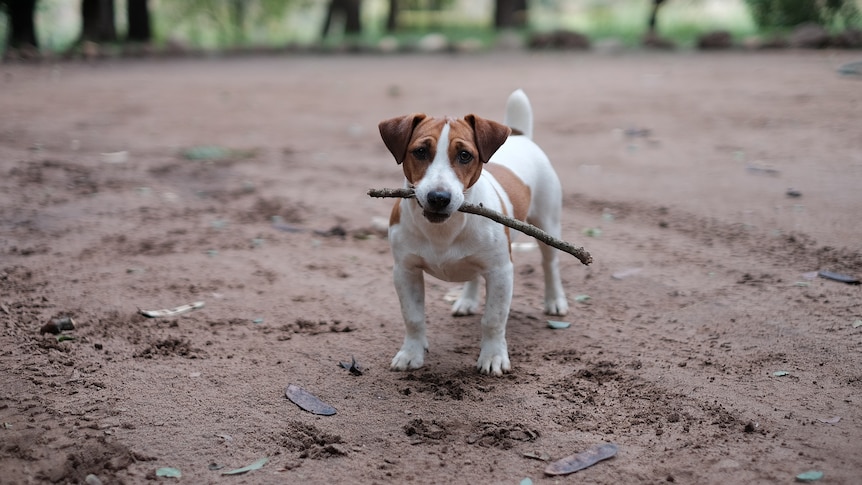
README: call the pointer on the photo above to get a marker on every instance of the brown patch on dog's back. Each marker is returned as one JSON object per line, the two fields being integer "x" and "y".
{"x": 519, "y": 192}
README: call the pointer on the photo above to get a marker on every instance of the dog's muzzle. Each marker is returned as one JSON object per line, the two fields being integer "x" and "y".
{"x": 436, "y": 206}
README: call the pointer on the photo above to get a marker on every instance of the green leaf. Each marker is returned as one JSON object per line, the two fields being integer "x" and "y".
{"x": 781, "y": 373}
{"x": 857, "y": 324}
{"x": 168, "y": 472}
{"x": 254, "y": 466}
{"x": 810, "y": 476}
{"x": 63, "y": 338}
{"x": 557, "y": 325}
{"x": 582, "y": 298}
{"x": 527, "y": 481}
{"x": 206, "y": 152}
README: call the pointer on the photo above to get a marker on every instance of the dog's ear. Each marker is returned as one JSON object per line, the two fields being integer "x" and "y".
{"x": 396, "y": 133}
{"x": 490, "y": 135}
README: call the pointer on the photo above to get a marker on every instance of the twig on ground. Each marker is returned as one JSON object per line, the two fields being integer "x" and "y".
{"x": 528, "y": 229}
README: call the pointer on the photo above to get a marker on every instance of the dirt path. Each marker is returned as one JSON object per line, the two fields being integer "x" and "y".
{"x": 680, "y": 164}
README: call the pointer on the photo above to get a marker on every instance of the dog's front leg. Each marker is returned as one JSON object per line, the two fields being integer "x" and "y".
{"x": 494, "y": 353}
{"x": 410, "y": 286}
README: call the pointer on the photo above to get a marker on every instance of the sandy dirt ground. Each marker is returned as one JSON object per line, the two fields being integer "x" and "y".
{"x": 706, "y": 187}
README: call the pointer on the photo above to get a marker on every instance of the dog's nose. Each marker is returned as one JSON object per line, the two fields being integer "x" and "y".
{"x": 438, "y": 200}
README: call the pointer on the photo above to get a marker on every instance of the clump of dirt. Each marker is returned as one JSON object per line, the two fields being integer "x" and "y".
{"x": 169, "y": 347}
{"x": 501, "y": 435}
{"x": 419, "y": 430}
{"x": 310, "y": 442}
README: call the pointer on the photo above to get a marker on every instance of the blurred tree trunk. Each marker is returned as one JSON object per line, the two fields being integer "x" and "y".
{"x": 392, "y": 18}
{"x": 510, "y": 13}
{"x": 22, "y": 29}
{"x": 238, "y": 15}
{"x": 98, "y": 21}
{"x": 351, "y": 12}
{"x": 653, "y": 16}
{"x": 138, "y": 15}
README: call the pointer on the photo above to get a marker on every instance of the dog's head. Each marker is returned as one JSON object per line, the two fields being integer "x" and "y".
{"x": 442, "y": 157}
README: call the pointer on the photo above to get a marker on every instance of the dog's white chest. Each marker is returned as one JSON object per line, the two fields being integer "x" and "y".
{"x": 451, "y": 269}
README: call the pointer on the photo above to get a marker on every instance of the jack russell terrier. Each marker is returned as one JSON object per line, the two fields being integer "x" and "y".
{"x": 448, "y": 161}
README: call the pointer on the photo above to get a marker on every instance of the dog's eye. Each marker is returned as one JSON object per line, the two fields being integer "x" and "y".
{"x": 465, "y": 157}
{"x": 421, "y": 153}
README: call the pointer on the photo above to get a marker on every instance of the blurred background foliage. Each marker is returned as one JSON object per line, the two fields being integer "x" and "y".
{"x": 64, "y": 25}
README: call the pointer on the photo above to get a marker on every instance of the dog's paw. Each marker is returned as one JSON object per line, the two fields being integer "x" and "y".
{"x": 465, "y": 306}
{"x": 494, "y": 359}
{"x": 411, "y": 356}
{"x": 556, "y": 307}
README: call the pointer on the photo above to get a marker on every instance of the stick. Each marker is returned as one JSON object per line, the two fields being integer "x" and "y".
{"x": 528, "y": 229}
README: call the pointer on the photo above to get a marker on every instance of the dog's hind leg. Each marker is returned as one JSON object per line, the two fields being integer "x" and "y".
{"x": 468, "y": 302}
{"x": 555, "y": 295}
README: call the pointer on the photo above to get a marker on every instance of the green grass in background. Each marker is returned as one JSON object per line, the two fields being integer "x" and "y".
{"x": 681, "y": 21}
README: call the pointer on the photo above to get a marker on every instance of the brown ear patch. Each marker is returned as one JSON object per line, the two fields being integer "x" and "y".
{"x": 489, "y": 135}
{"x": 519, "y": 192}
{"x": 396, "y": 133}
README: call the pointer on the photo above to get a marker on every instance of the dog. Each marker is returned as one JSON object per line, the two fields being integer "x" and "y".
{"x": 448, "y": 161}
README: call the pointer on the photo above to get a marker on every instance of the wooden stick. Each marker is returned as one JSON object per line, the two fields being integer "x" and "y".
{"x": 528, "y": 229}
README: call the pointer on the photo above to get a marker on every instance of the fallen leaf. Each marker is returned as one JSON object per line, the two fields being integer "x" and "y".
{"x": 832, "y": 420}
{"x": 308, "y": 401}
{"x": 809, "y": 476}
{"x": 254, "y": 466}
{"x": 582, "y": 298}
{"x": 841, "y": 278}
{"x": 171, "y": 312}
{"x": 353, "y": 367}
{"x": 579, "y": 461}
{"x": 558, "y": 325}
{"x": 206, "y": 152}
{"x": 781, "y": 373}
{"x": 857, "y": 324}
{"x": 538, "y": 456}
{"x": 168, "y": 472}
{"x": 527, "y": 481}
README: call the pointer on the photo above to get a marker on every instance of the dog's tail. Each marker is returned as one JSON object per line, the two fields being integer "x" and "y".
{"x": 519, "y": 114}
